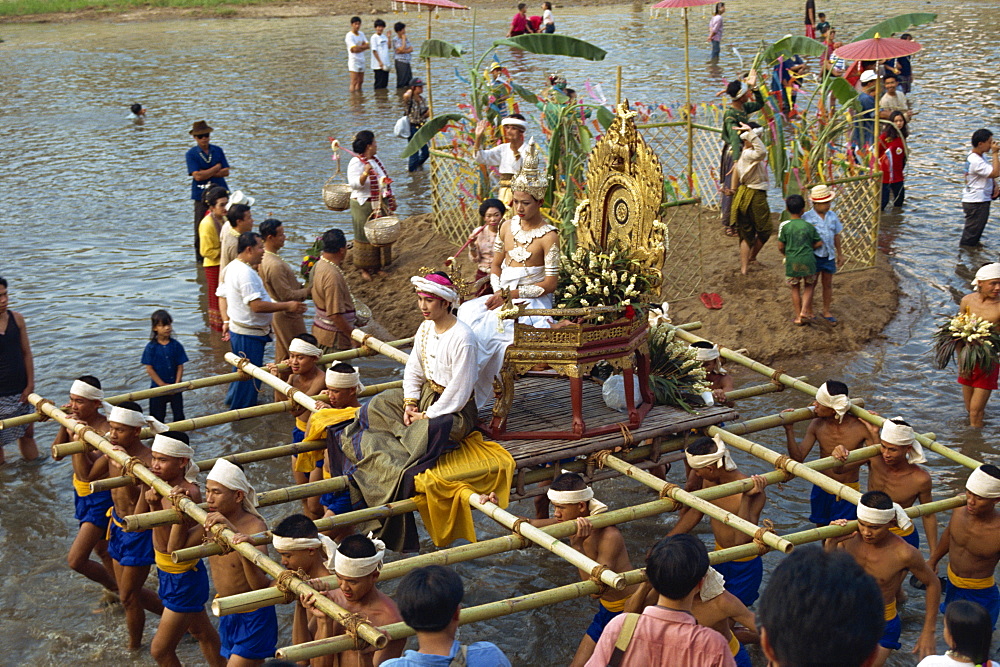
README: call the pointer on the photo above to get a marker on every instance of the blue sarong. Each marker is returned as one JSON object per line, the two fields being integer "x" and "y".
{"x": 743, "y": 578}
{"x": 252, "y": 635}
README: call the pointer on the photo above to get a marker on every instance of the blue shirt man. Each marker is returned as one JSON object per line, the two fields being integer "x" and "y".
{"x": 864, "y": 121}
{"x": 207, "y": 166}
{"x": 480, "y": 654}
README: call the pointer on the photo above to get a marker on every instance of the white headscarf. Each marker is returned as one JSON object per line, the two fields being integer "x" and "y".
{"x": 516, "y": 122}
{"x": 338, "y": 380}
{"x": 437, "y": 289}
{"x": 707, "y": 353}
{"x": 983, "y": 484}
{"x": 323, "y": 542}
{"x": 839, "y": 403}
{"x": 987, "y": 272}
{"x": 719, "y": 458}
{"x": 89, "y": 392}
{"x": 178, "y": 449}
{"x": 358, "y": 567}
{"x": 713, "y": 586}
{"x": 882, "y": 517}
{"x": 136, "y": 419}
{"x": 903, "y": 436}
{"x": 585, "y": 495}
{"x": 302, "y": 347}
{"x": 230, "y": 476}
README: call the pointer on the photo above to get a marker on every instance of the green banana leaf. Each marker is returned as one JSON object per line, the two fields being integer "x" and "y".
{"x": 554, "y": 45}
{"x": 791, "y": 45}
{"x": 438, "y": 48}
{"x": 843, "y": 91}
{"x": 605, "y": 117}
{"x": 896, "y": 24}
{"x": 428, "y": 130}
{"x": 525, "y": 94}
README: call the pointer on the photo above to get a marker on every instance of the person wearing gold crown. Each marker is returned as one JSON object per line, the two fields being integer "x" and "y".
{"x": 526, "y": 262}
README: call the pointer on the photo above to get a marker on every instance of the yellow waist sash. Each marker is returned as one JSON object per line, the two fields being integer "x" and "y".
{"x": 890, "y": 611}
{"x": 854, "y": 485}
{"x": 301, "y": 425}
{"x": 306, "y": 461}
{"x": 734, "y": 644}
{"x": 738, "y": 560}
{"x": 615, "y": 605}
{"x": 896, "y": 530}
{"x": 969, "y": 584}
{"x": 82, "y": 488}
{"x": 164, "y": 563}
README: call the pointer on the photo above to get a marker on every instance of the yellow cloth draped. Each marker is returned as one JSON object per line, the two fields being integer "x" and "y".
{"x": 315, "y": 429}
{"x": 890, "y": 611}
{"x": 615, "y": 606}
{"x": 969, "y": 584}
{"x": 82, "y": 488}
{"x": 734, "y": 644}
{"x": 896, "y": 530}
{"x": 738, "y": 560}
{"x": 442, "y": 498}
{"x": 164, "y": 563}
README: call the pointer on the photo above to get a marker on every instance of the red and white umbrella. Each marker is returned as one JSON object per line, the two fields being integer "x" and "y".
{"x": 876, "y": 48}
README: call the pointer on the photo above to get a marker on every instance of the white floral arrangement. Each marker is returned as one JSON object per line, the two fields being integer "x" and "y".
{"x": 676, "y": 375}
{"x": 612, "y": 278}
{"x": 971, "y": 339}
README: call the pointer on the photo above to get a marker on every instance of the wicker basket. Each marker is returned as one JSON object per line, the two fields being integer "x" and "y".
{"x": 382, "y": 230}
{"x": 362, "y": 313}
{"x": 336, "y": 196}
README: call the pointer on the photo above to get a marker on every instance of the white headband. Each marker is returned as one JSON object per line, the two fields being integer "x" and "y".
{"x": 713, "y": 586}
{"x": 136, "y": 419}
{"x": 720, "y": 457}
{"x": 230, "y": 476}
{"x": 706, "y": 353}
{"x": 983, "y": 484}
{"x": 423, "y": 285}
{"x": 358, "y": 567}
{"x": 179, "y": 449}
{"x": 585, "y": 495}
{"x": 323, "y": 542}
{"x": 302, "y": 347}
{"x": 987, "y": 272}
{"x": 516, "y": 122}
{"x": 882, "y": 517}
{"x": 903, "y": 436}
{"x": 839, "y": 403}
{"x": 84, "y": 390}
{"x": 338, "y": 380}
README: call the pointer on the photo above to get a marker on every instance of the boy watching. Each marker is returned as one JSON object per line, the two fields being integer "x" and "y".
{"x": 380, "y": 56}
{"x": 829, "y": 227}
{"x": 822, "y": 27}
{"x": 429, "y": 600}
{"x": 796, "y": 240}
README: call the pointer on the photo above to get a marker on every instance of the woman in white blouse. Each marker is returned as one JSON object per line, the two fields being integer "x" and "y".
{"x": 368, "y": 179}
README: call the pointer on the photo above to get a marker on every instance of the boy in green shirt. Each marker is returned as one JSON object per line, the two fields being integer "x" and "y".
{"x": 796, "y": 240}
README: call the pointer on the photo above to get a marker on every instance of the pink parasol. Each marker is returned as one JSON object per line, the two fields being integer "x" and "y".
{"x": 876, "y": 48}
{"x": 676, "y": 4}
{"x": 443, "y": 4}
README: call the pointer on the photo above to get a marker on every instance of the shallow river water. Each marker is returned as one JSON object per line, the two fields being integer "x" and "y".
{"x": 96, "y": 234}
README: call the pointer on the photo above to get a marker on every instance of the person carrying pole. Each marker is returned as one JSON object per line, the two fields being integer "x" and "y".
{"x": 303, "y": 549}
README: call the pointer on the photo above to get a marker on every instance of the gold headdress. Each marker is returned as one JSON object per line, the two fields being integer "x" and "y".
{"x": 530, "y": 179}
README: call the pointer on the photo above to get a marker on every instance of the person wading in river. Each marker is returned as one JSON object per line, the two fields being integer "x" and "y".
{"x": 17, "y": 379}
{"x": 985, "y": 303}
{"x": 207, "y": 166}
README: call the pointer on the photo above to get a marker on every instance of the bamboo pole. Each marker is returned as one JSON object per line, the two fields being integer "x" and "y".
{"x": 210, "y": 381}
{"x": 618, "y": 85}
{"x": 754, "y": 390}
{"x": 543, "y": 539}
{"x": 383, "y": 348}
{"x": 705, "y": 507}
{"x": 273, "y": 381}
{"x": 810, "y": 390}
{"x": 365, "y": 630}
{"x": 689, "y": 113}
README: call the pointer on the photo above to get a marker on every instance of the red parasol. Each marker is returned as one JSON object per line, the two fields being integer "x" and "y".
{"x": 676, "y": 4}
{"x": 876, "y": 48}
{"x": 443, "y": 4}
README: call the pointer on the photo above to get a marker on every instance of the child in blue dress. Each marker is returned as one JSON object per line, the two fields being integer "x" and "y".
{"x": 164, "y": 359}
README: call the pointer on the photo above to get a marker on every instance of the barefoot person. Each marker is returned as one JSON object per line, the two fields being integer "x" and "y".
{"x": 972, "y": 543}
{"x": 525, "y": 262}
{"x": 303, "y": 549}
{"x": 832, "y": 428}
{"x": 711, "y": 465}
{"x": 746, "y": 99}
{"x": 17, "y": 379}
{"x": 985, "y": 303}
{"x": 305, "y": 375}
{"x": 748, "y": 187}
{"x": 183, "y": 586}
{"x": 357, "y": 563}
{"x": 250, "y": 637}
{"x": 887, "y": 558}
{"x": 85, "y": 400}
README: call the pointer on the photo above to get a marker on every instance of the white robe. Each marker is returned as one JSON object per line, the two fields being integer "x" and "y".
{"x": 492, "y": 336}
{"x": 447, "y": 355}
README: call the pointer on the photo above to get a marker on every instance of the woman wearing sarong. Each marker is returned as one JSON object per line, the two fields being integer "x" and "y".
{"x": 369, "y": 183}
{"x": 984, "y": 302}
{"x": 750, "y": 214}
{"x": 210, "y": 247}
{"x": 525, "y": 262}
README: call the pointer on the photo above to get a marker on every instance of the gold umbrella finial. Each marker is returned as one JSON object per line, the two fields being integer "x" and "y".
{"x": 877, "y": 36}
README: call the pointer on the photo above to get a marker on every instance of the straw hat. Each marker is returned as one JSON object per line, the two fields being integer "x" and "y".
{"x": 200, "y": 127}
{"x": 239, "y": 197}
{"x": 821, "y": 193}
{"x": 868, "y": 75}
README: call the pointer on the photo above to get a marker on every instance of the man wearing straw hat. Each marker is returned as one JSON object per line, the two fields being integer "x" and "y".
{"x": 183, "y": 586}
{"x": 132, "y": 553}
{"x": 335, "y": 309}
{"x": 711, "y": 465}
{"x": 207, "y": 166}
{"x": 838, "y": 433}
{"x": 972, "y": 544}
{"x": 984, "y": 303}
{"x": 888, "y": 558}
{"x": 507, "y": 156}
{"x": 85, "y": 401}
{"x": 251, "y": 637}
{"x": 281, "y": 283}
{"x": 303, "y": 549}
{"x": 357, "y": 562}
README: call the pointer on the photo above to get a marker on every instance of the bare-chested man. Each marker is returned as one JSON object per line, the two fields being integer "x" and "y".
{"x": 972, "y": 542}
{"x": 887, "y": 558}
{"x": 711, "y": 465}
{"x": 984, "y": 302}
{"x": 357, "y": 563}
{"x": 896, "y": 472}
{"x": 305, "y": 375}
{"x": 183, "y": 586}
{"x": 85, "y": 402}
{"x": 303, "y": 549}
{"x": 132, "y": 553}
{"x": 832, "y": 428}
{"x": 721, "y": 381}
{"x": 249, "y": 638}
{"x": 714, "y": 607}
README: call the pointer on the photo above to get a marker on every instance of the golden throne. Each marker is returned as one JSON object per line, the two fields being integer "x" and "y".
{"x": 624, "y": 189}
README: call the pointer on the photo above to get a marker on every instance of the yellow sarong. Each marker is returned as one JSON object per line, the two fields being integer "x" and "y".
{"x": 164, "y": 563}
{"x": 483, "y": 466}
{"x": 315, "y": 429}
{"x": 969, "y": 584}
{"x": 734, "y": 644}
{"x": 896, "y": 530}
{"x": 890, "y": 611}
{"x": 82, "y": 488}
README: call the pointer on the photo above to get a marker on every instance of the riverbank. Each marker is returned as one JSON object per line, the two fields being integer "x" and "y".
{"x": 756, "y": 313}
